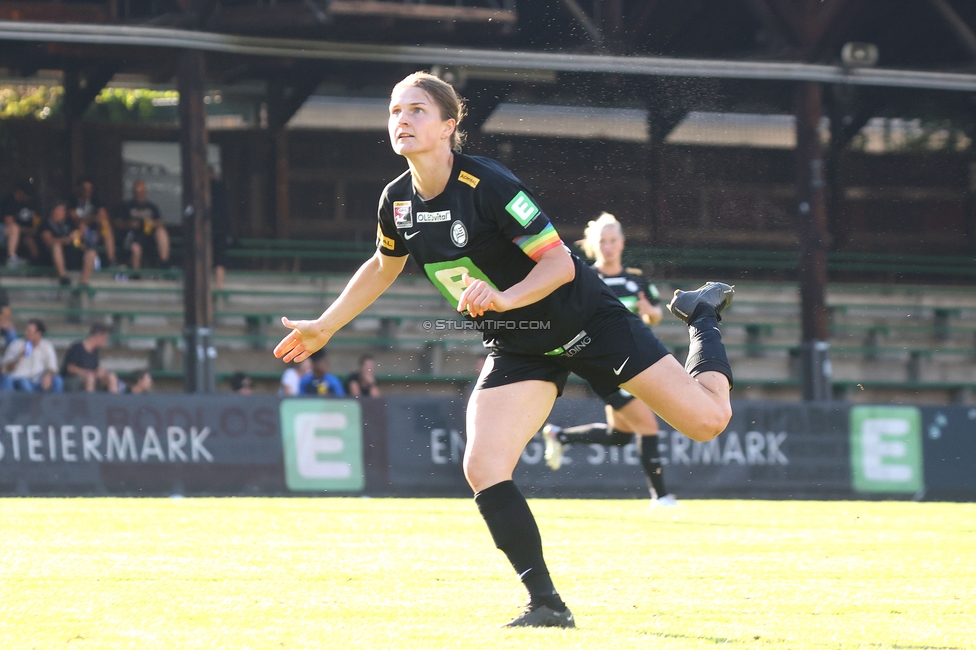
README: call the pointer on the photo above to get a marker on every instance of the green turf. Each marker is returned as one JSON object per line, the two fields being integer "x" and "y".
{"x": 413, "y": 573}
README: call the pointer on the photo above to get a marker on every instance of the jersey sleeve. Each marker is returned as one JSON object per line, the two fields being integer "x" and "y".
{"x": 518, "y": 216}
{"x": 643, "y": 286}
{"x": 388, "y": 240}
{"x": 653, "y": 295}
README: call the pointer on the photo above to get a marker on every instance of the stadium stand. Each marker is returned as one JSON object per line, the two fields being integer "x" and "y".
{"x": 888, "y": 341}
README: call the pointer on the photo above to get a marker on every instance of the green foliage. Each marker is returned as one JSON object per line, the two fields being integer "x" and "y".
{"x": 37, "y": 102}
{"x": 111, "y": 104}
{"x": 424, "y": 574}
{"x": 131, "y": 105}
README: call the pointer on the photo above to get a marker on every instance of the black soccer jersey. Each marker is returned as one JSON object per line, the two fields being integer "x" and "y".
{"x": 487, "y": 224}
{"x": 628, "y": 284}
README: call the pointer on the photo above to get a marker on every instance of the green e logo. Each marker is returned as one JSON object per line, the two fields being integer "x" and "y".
{"x": 886, "y": 448}
{"x": 323, "y": 444}
{"x": 522, "y": 208}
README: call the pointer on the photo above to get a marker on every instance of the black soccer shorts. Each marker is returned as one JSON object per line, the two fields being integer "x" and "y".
{"x": 614, "y": 347}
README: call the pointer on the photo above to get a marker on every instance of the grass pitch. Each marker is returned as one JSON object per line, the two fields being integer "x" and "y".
{"x": 423, "y": 573}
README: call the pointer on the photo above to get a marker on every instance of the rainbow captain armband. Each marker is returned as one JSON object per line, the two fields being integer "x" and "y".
{"x": 535, "y": 245}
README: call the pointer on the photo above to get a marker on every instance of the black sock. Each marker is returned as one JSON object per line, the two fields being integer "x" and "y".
{"x": 595, "y": 434}
{"x": 650, "y": 457}
{"x": 706, "y": 351}
{"x": 515, "y": 532}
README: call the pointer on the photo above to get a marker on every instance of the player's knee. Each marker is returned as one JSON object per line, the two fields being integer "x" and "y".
{"x": 711, "y": 422}
{"x": 473, "y": 472}
{"x": 479, "y": 472}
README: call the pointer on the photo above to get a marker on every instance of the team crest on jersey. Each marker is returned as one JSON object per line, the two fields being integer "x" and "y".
{"x": 433, "y": 217}
{"x": 402, "y": 214}
{"x": 459, "y": 234}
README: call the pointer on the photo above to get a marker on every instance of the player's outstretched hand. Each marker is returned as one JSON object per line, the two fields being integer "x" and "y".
{"x": 479, "y": 297}
{"x": 305, "y": 338}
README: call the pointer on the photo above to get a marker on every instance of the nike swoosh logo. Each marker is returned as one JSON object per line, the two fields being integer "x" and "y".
{"x": 523, "y": 574}
{"x": 411, "y": 235}
{"x": 616, "y": 371}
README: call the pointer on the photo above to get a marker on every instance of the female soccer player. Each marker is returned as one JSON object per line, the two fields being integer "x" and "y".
{"x": 603, "y": 241}
{"x": 483, "y": 241}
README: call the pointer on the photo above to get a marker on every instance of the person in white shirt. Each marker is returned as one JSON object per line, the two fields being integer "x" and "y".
{"x": 30, "y": 364}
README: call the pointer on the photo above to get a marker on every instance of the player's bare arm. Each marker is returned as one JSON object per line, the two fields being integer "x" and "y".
{"x": 370, "y": 281}
{"x": 554, "y": 269}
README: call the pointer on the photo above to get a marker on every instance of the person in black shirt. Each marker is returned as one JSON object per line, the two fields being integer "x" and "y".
{"x": 82, "y": 369}
{"x": 88, "y": 214}
{"x": 363, "y": 382}
{"x": 604, "y": 242}
{"x": 481, "y": 238}
{"x": 63, "y": 245}
{"x": 139, "y": 224}
{"x": 20, "y": 222}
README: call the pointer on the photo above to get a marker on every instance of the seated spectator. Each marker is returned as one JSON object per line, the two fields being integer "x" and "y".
{"x": 291, "y": 378}
{"x": 140, "y": 224}
{"x": 241, "y": 383}
{"x": 318, "y": 381}
{"x": 63, "y": 246}
{"x": 20, "y": 222}
{"x": 363, "y": 383}
{"x": 88, "y": 214}
{"x": 30, "y": 364}
{"x": 140, "y": 383}
{"x": 82, "y": 370}
{"x": 7, "y": 330}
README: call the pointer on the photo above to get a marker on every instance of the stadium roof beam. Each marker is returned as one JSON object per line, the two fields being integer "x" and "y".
{"x": 111, "y": 35}
{"x": 962, "y": 31}
{"x": 594, "y": 32}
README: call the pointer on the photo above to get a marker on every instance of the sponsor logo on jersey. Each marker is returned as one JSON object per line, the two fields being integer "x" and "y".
{"x": 522, "y": 208}
{"x": 433, "y": 217}
{"x": 402, "y": 214}
{"x": 570, "y": 349}
{"x": 459, "y": 234}
{"x": 383, "y": 240}
{"x": 468, "y": 179}
{"x": 577, "y": 344}
{"x": 617, "y": 371}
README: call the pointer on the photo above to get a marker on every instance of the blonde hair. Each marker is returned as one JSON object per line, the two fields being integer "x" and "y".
{"x": 591, "y": 236}
{"x": 451, "y": 105}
